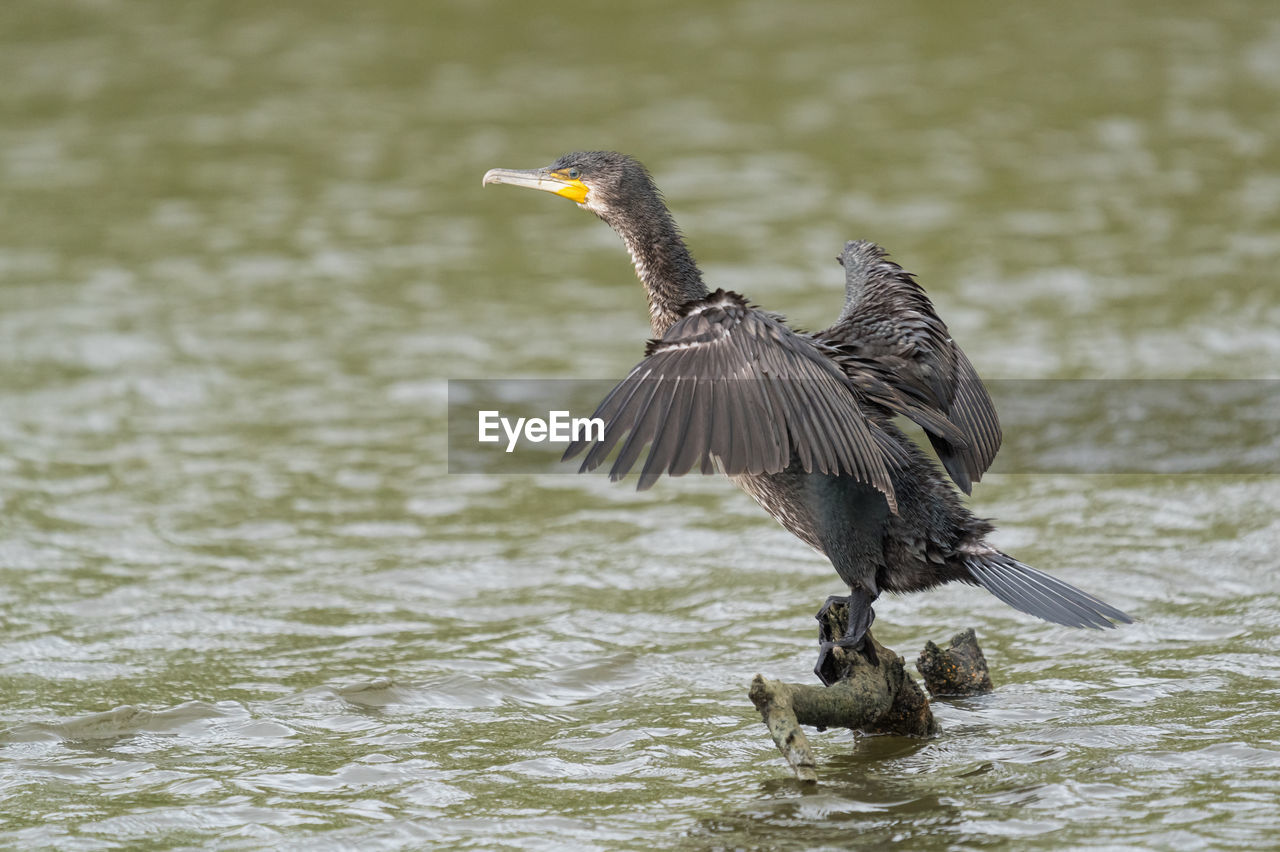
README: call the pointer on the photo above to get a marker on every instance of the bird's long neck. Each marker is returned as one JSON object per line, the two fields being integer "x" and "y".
{"x": 663, "y": 264}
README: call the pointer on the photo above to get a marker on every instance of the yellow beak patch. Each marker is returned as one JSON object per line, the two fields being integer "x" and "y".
{"x": 558, "y": 183}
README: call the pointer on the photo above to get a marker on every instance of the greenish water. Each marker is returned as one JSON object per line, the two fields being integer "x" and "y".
{"x": 243, "y": 247}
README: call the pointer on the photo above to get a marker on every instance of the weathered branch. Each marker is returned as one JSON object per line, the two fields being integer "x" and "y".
{"x": 776, "y": 702}
{"x": 873, "y": 692}
{"x": 876, "y": 697}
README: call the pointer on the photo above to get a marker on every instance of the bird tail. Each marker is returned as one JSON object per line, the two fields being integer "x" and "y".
{"x": 1036, "y": 593}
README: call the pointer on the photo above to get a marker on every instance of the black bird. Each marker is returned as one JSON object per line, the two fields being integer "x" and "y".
{"x": 803, "y": 422}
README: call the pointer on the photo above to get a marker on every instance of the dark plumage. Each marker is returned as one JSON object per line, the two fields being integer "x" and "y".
{"x": 803, "y": 422}
{"x": 889, "y": 328}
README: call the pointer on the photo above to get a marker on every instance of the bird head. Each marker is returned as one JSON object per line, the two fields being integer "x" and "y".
{"x": 607, "y": 183}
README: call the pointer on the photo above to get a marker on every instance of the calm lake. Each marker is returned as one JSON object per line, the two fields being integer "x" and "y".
{"x": 244, "y": 249}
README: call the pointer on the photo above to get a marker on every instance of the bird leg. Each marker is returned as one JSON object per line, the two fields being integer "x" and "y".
{"x": 825, "y": 616}
{"x": 858, "y": 616}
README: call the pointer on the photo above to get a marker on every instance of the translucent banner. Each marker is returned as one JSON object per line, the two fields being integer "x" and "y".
{"x": 1175, "y": 426}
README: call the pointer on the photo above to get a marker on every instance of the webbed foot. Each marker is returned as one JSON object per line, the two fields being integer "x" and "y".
{"x": 857, "y": 620}
{"x": 824, "y": 624}
{"x": 827, "y": 669}
{"x": 829, "y": 665}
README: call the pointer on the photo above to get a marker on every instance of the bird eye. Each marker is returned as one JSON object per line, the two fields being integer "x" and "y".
{"x": 574, "y": 173}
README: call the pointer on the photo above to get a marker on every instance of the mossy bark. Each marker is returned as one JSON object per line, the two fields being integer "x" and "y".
{"x": 873, "y": 693}
{"x": 961, "y": 669}
{"x": 877, "y": 697}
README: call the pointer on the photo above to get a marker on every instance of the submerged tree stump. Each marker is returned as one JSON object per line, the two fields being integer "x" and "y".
{"x": 873, "y": 693}
{"x": 959, "y": 670}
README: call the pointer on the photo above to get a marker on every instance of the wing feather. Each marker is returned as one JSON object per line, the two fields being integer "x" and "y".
{"x": 892, "y": 342}
{"x": 731, "y": 384}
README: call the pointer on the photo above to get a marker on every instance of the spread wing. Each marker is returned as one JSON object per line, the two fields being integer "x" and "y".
{"x": 733, "y": 384}
{"x": 889, "y": 332}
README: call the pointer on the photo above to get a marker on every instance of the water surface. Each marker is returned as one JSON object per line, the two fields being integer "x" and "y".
{"x": 244, "y": 247}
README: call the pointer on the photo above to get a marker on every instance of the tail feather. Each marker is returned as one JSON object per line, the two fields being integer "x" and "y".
{"x": 1037, "y": 593}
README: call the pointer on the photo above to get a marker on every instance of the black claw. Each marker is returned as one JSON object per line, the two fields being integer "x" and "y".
{"x": 868, "y": 650}
{"x": 854, "y": 639}
{"x": 824, "y": 626}
{"x": 831, "y": 601}
{"x": 826, "y": 667}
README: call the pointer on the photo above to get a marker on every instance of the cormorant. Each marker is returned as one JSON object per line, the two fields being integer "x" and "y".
{"x": 803, "y": 422}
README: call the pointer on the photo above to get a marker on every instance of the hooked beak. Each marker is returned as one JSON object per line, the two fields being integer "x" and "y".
{"x": 557, "y": 183}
